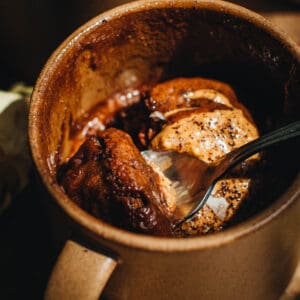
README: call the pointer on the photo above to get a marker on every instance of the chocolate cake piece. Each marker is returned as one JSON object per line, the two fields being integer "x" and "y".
{"x": 109, "y": 178}
{"x": 188, "y": 92}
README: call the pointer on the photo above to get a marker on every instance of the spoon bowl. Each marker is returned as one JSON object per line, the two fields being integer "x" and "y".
{"x": 193, "y": 180}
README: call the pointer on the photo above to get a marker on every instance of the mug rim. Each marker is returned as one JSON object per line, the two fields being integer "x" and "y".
{"x": 120, "y": 236}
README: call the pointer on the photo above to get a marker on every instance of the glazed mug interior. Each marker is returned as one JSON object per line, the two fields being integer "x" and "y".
{"x": 151, "y": 41}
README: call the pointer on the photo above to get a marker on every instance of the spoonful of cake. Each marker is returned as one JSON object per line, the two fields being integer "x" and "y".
{"x": 193, "y": 179}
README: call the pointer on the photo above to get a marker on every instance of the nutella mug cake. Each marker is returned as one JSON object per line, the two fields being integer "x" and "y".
{"x": 109, "y": 177}
{"x": 197, "y": 77}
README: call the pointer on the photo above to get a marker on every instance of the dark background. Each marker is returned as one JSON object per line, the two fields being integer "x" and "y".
{"x": 29, "y": 31}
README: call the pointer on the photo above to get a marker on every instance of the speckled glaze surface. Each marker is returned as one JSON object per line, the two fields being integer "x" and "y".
{"x": 148, "y": 41}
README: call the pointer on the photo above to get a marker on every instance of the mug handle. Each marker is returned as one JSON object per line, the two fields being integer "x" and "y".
{"x": 79, "y": 273}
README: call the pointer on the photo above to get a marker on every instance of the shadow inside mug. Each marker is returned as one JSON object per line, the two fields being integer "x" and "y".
{"x": 33, "y": 29}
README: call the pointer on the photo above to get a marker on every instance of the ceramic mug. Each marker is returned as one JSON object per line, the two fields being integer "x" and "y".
{"x": 149, "y": 41}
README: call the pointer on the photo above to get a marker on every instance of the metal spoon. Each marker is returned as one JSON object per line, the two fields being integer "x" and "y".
{"x": 193, "y": 180}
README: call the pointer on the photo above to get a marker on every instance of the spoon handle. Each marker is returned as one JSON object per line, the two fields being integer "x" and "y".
{"x": 269, "y": 139}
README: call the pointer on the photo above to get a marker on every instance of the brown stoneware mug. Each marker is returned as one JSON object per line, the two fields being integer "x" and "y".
{"x": 149, "y": 41}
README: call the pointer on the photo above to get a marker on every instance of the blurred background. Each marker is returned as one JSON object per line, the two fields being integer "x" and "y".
{"x": 29, "y": 32}
{"x": 31, "y": 29}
